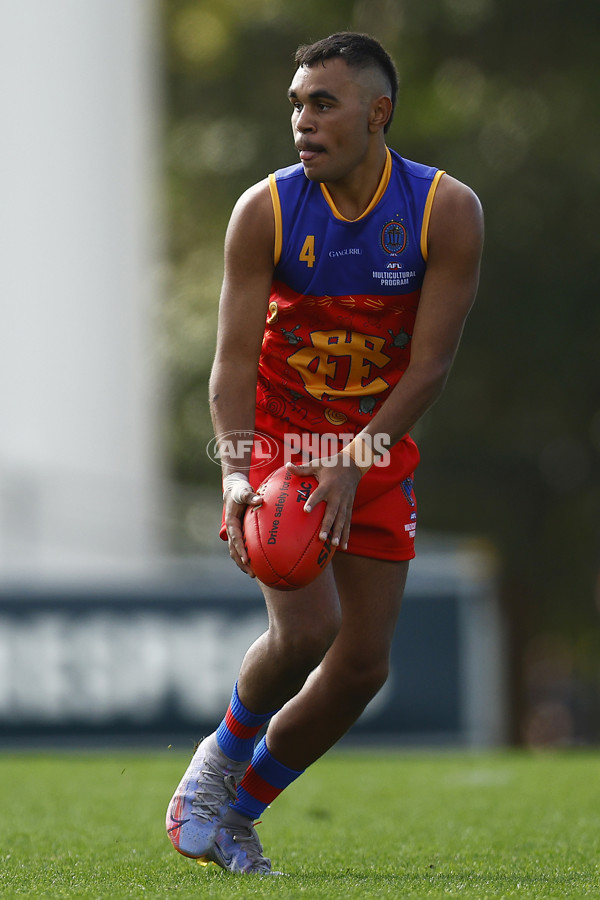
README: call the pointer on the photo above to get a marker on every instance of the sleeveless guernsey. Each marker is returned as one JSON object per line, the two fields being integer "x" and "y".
{"x": 343, "y": 300}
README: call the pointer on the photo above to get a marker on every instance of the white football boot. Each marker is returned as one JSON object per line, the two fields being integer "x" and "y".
{"x": 237, "y": 847}
{"x": 202, "y": 799}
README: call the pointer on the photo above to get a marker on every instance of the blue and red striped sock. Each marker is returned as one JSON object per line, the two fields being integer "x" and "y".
{"x": 237, "y": 732}
{"x": 264, "y": 780}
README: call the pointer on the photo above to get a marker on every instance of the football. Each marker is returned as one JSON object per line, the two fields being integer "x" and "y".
{"x": 281, "y": 539}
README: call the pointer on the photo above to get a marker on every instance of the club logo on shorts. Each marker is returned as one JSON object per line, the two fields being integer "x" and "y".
{"x": 407, "y": 488}
{"x": 393, "y": 237}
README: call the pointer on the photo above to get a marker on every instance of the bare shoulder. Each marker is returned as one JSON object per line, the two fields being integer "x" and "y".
{"x": 255, "y": 202}
{"x": 251, "y": 231}
{"x": 456, "y": 216}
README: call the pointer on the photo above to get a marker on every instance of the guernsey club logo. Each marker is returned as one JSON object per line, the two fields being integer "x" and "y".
{"x": 393, "y": 237}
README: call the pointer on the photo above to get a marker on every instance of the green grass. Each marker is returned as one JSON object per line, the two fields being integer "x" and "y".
{"x": 357, "y": 825}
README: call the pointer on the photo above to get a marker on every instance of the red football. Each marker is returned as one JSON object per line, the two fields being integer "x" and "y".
{"x": 282, "y": 540}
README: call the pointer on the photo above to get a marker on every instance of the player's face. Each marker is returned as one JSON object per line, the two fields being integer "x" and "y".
{"x": 330, "y": 119}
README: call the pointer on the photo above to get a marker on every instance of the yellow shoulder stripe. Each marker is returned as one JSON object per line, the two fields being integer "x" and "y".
{"x": 278, "y": 220}
{"x": 427, "y": 212}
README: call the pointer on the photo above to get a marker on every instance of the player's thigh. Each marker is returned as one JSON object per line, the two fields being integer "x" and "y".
{"x": 370, "y": 592}
{"x": 314, "y": 608}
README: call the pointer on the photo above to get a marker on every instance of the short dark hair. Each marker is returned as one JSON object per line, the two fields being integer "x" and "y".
{"x": 360, "y": 51}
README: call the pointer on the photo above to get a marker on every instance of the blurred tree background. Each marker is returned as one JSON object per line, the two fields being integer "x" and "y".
{"x": 504, "y": 95}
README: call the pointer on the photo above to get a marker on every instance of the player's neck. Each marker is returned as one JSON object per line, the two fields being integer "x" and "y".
{"x": 353, "y": 194}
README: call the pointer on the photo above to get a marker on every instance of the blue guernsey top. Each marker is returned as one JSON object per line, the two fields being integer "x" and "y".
{"x": 344, "y": 297}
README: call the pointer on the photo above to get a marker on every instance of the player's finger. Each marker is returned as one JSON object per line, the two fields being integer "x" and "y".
{"x": 235, "y": 538}
{"x": 329, "y": 517}
{"x": 234, "y": 535}
{"x": 317, "y": 496}
{"x": 338, "y": 527}
{"x": 345, "y": 535}
{"x": 244, "y": 495}
{"x": 303, "y": 468}
{"x": 237, "y": 552}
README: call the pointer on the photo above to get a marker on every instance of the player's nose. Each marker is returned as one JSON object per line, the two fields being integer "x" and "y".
{"x": 304, "y": 122}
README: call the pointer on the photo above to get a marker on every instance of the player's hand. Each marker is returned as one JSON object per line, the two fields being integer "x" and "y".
{"x": 338, "y": 478}
{"x": 237, "y": 495}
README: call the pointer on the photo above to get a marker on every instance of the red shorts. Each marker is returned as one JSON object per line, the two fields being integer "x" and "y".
{"x": 384, "y": 515}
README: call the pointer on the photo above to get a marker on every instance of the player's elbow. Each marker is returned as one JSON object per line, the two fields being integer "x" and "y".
{"x": 439, "y": 377}
{"x": 432, "y": 375}
{"x": 231, "y": 376}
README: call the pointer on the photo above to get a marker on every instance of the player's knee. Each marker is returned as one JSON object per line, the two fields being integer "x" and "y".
{"x": 365, "y": 678}
{"x": 301, "y": 650}
{"x": 308, "y": 649}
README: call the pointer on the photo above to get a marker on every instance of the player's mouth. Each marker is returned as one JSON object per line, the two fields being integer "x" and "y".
{"x": 308, "y": 152}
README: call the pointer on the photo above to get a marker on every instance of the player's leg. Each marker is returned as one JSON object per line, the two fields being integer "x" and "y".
{"x": 353, "y": 670}
{"x": 301, "y": 628}
{"x": 337, "y": 691}
{"x": 330, "y": 701}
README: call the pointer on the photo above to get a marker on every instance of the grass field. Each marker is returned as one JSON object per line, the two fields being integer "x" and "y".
{"x": 357, "y": 825}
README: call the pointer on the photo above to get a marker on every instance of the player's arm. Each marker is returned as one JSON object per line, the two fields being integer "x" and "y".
{"x": 448, "y": 291}
{"x": 449, "y": 288}
{"x": 242, "y": 313}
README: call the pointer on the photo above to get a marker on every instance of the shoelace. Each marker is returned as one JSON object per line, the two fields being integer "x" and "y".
{"x": 209, "y": 797}
{"x": 246, "y": 836}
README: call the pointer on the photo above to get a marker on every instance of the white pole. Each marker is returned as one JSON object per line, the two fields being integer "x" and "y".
{"x": 78, "y": 386}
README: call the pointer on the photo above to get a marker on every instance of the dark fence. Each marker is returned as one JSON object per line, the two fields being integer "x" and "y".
{"x": 155, "y": 663}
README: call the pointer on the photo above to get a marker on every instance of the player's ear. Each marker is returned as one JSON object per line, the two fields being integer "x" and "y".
{"x": 380, "y": 113}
